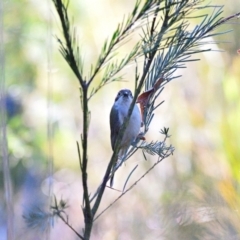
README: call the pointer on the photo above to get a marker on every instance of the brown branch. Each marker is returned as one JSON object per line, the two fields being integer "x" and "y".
{"x": 224, "y": 20}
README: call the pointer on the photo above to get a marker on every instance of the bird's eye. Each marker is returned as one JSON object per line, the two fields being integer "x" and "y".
{"x": 118, "y": 96}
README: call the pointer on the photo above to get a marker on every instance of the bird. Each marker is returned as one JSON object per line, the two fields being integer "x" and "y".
{"x": 118, "y": 114}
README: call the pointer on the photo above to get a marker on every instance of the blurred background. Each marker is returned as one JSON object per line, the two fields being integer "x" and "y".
{"x": 193, "y": 194}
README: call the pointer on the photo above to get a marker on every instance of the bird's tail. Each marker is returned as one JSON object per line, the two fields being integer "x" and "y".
{"x": 122, "y": 152}
{"x": 111, "y": 180}
{"x": 113, "y": 172}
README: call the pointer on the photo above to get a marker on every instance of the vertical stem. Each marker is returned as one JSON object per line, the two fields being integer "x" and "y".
{"x": 88, "y": 218}
{"x": 3, "y": 137}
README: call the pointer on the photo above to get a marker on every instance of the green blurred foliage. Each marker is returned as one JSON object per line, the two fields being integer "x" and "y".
{"x": 193, "y": 195}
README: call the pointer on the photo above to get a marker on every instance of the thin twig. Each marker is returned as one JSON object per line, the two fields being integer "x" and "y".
{"x": 133, "y": 185}
{"x": 70, "y": 226}
{"x": 223, "y": 21}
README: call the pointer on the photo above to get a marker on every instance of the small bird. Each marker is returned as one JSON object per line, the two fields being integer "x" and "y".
{"x": 118, "y": 114}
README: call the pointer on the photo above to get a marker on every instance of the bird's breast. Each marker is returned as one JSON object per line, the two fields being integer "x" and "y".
{"x": 133, "y": 127}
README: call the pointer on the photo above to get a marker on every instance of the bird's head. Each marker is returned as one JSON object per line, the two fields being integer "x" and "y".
{"x": 124, "y": 96}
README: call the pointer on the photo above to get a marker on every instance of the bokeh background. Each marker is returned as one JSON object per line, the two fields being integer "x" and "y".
{"x": 193, "y": 194}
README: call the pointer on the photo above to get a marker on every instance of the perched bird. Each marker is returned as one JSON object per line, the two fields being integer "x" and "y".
{"x": 118, "y": 114}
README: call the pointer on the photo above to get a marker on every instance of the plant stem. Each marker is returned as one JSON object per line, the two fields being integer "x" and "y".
{"x": 88, "y": 218}
{"x": 70, "y": 58}
{"x": 66, "y": 222}
{"x": 114, "y": 156}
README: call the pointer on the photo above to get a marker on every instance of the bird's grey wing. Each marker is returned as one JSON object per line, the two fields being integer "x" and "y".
{"x": 114, "y": 125}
